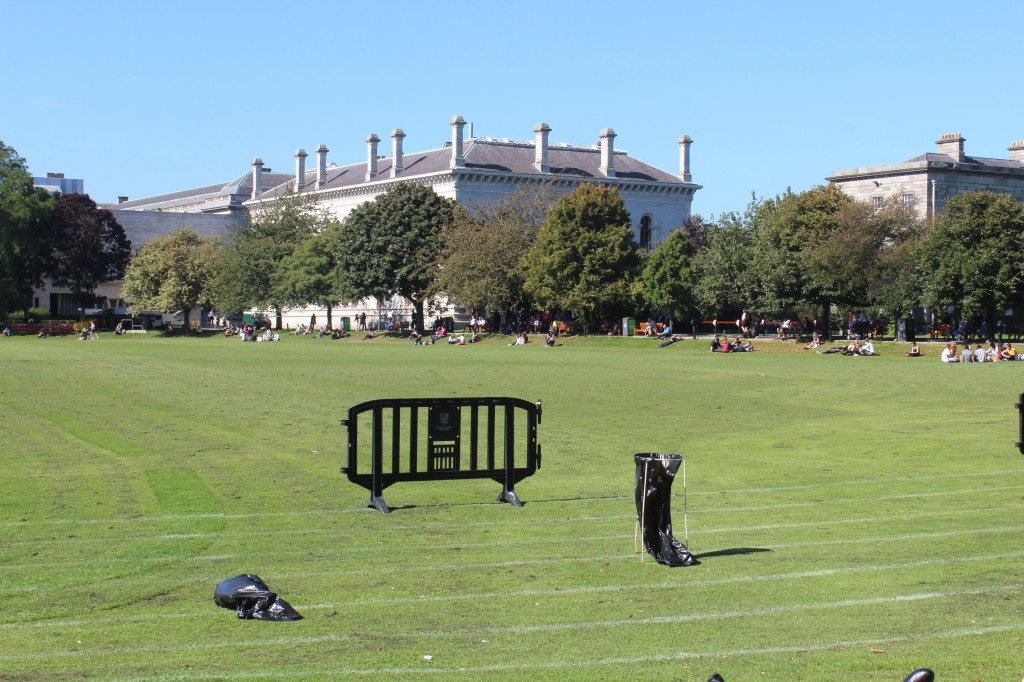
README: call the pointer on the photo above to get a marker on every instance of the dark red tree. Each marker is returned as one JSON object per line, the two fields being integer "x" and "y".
{"x": 90, "y": 247}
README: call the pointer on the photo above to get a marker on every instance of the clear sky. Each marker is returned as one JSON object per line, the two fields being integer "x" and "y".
{"x": 142, "y": 98}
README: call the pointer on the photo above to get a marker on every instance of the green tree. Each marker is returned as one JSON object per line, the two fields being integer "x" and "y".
{"x": 892, "y": 282}
{"x": 585, "y": 261}
{"x": 670, "y": 276}
{"x": 172, "y": 272}
{"x": 481, "y": 262}
{"x": 311, "y": 274}
{"x": 253, "y": 253}
{"x": 391, "y": 245}
{"x": 974, "y": 255}
{"x": 725, "y": 277}
{"x": 89, "y": 247}
{"x": 800, "y": 253}
{"x": 26, "y": 232}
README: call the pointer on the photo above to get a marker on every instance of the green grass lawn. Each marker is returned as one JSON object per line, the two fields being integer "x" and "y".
{"x": 855, "y": 518}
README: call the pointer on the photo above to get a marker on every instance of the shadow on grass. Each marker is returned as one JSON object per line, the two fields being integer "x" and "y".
{"x": 731, "y": 552}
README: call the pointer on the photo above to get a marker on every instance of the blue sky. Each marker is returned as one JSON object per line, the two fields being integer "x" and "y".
{"x": 143, "y": 98}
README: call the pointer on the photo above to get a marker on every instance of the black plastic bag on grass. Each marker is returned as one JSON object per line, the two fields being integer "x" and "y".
{"x": 654, "y": 475}
{"x": 252, "y": 599}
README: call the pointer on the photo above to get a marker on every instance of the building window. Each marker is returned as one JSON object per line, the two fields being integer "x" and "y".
{"x": 645, "y": 232}
{"x": 908, "y": 200}
{"x": 876, "y": 202}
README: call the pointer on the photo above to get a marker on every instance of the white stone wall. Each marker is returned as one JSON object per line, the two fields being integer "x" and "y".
{"x": 141, "y": 226}
{"x": 865, "y": 184}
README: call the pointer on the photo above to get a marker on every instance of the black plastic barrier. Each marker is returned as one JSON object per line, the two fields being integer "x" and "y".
{"x": 442, "y": 439}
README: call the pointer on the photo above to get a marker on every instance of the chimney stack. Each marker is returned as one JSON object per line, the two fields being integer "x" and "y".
{"x": 321, "y": 165}
{"x": 397, "y": 135}
{"x": 371, "y": 156}
{"x": 458, "y": 160}
{"x": 540, "y": 147}
{"x": 952, "y": 145}
{"x": 608, "y": 152}
{"x": 684, "y": 158}
{"x": 122, "y": 199}
{"x": 300, "y": 170}
{"x": 257, "y": 177}
{"x": 1017, "y": 151}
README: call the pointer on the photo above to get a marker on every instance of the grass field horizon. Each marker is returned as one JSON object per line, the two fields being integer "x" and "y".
{"x": 855, "y": 518}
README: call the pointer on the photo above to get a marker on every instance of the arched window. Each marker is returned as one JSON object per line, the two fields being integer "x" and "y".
{"x": 645, "y": 232}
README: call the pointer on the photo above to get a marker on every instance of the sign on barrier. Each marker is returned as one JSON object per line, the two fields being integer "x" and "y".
{"x": 439, "y": 439}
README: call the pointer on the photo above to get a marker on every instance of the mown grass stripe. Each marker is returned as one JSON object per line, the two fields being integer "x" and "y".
{"x": 512, "y": 519}
{"x": 519, "y": 543}
{"x": 494, "y": 630}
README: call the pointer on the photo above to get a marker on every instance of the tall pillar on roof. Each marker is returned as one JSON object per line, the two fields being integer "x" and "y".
{"x": 321, "y": 165}
{"x": 397, "y": 135}
{"x": 540, "y": 147}
{"x": 300, "y": 170}
{"x": 684, "y": 158}
{"x": 257, "y": 177}
{"x": 608, "y": 152}
{"x": 458, "y": 159}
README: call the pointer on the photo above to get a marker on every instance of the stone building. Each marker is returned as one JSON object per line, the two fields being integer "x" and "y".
{"x": 929, "y": 180}
{"x": 469, "y": 169}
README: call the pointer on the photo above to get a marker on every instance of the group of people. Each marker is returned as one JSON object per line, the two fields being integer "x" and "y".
{"x": 856, "y": 348}
{"x": 994, "y": 353}
{"x": 724, "y": 346}
{"x": 88, "y": 332}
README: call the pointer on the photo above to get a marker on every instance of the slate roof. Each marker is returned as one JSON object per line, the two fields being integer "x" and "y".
{"x": 488, "y": 155}
{"x": 982, "y": 161}
{"x": 481, "y": 154}
{"x": 241, "y": 186}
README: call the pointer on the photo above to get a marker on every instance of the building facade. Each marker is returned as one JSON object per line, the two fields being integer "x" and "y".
{"x": 471, "y": 170}
{"x": 928, "y": 181}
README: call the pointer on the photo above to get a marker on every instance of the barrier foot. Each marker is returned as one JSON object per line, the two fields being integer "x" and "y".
{"x": 509, "y": 495}
{"x": 378, "y": 503}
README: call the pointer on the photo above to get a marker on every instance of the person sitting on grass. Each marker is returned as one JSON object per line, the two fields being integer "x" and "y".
{"x": 370, "y": 335}
{"x": 968, "y": 354}
{"x": 815, "y": 342}
{"x": 738, "y": 346}
{"x": 7, "y": 330}
{"x": 416, "y": 338}
{"x": 914, "y": 352}
{"x": 716, "y": 345}
{"x": 1009, "y": 352}
{"x": 550, "y": 340}
{"x": 868, "y": 349}
{"x": 979, "y": 354}
{"x": 339, "y": 334}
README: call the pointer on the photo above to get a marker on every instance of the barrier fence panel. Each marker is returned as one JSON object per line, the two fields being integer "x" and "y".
{"x": 393, "y": 440}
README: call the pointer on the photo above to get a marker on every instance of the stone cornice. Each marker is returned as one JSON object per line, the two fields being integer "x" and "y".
{"x": 915, "y": 167}
{"x": 458, "y": 175}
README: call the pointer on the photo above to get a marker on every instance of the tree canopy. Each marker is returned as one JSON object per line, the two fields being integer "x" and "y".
{"x": 89, "y": 247}
{"x": 481, "y": 262}
{"x": 974, "y": 255}
{"x": 26, "y": 232}
{"x": 392, "y": 245}
{"x": 670, "y": 276}
{"x": 311, "y": 274}
{"x": 585, "y": 261}
{"x": 250, "y": 259}
{"x": 172, "y": 272}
